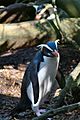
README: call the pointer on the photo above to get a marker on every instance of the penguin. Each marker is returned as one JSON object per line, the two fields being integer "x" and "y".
{"x": 39, "y": 77}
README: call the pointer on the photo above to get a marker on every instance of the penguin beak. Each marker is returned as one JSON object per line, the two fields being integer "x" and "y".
{"x": 55, "y": 53}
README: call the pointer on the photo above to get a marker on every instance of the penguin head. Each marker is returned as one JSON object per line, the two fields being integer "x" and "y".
{"x": 50, "y": 49}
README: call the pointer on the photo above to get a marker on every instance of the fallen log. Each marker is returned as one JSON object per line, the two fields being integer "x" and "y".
{"x": 27, "y": 34}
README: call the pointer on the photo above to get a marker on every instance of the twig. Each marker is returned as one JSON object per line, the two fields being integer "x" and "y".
{"x": 53, "y": 112}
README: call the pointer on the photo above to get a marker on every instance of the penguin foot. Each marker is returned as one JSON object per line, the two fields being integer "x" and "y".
{"x": 49, "y": 118}
{"x": 40, "y": 112}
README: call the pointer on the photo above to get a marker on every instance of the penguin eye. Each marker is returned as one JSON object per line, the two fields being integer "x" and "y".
{"x": 47, "y": 52}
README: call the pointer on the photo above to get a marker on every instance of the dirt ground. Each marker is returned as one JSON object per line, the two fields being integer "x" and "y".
{"x": 12, "y": 68}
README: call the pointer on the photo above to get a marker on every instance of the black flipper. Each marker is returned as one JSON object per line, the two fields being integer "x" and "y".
{"x": 33, "y": 74}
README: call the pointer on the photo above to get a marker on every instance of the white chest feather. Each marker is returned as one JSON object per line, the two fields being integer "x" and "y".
{"x": 47, "y": 73}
